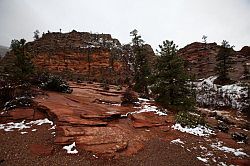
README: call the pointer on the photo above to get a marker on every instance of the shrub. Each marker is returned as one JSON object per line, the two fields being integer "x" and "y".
{"x": 129, "y": 97}
{"x": 54, "y": 83}
{"x": 119, "y": 87}
{"x": 189, "y": 119}
{"x": 9, "y": 90}
{"x": 23, "y": 101}
{"x": 6, "y": 93}
{"x": 105, "y": 86}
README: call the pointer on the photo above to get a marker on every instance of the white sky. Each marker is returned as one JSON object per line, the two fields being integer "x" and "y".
{"x": 184, "y": 21}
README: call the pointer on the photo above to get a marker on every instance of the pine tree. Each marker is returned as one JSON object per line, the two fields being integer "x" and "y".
{"x": 140, "y": 64}
{"x": 224, "y": 63}
{"x": 36, "y": 35}
{"x": 171, "y": 81}
{"x": 23, "y": 65}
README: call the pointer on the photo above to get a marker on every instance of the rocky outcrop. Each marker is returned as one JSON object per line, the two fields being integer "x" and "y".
{"x": 97, "y": 126}
{"x": 79, "y": 54}
{"x": 201, "y": 60}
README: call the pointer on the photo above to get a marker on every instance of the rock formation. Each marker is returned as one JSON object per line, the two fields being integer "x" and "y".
{"x": 201, "y": 60}
{"x": 81, "y": 55}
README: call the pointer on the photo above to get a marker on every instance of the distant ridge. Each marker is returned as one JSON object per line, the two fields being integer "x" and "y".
{"x": 3, "y": 51}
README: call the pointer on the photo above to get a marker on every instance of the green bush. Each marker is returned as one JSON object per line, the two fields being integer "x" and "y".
{"x": 188, "y": 119}
{"x": 23, "y": 101}
{"x": 105, "y": 86}
{"x": 129, "y": 97}
{"x": 54, "y": 83}
{"x": 119, "y": 87}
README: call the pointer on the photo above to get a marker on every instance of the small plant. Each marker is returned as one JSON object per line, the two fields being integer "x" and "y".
{"x": 7, "y": 92}
{"x": 105, "y": 86}
{"x": 55, "y": 83}
{"x": 129, "y": 97}
{"x": 189, "y": 119}
{"x": 23, "y": 101}
{"x": 11, "y": 90}
{"x": 119, "y": 87}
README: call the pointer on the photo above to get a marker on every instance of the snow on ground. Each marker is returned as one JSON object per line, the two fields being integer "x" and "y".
{"x": 177, "y": 141}
{"x": 71, "y": 149}
{"x": 236, "y": 152}
{"x": 198, "y": 130}
{"x": 11, "y": 126}
{"x": 143, "y": 100}
{"x": 146, "y": 107}
{"x": 40, "y": 122}
{"x": 212, "y": 94}
{"x": 149, "y": 108}
{"x": 202, "y": 159}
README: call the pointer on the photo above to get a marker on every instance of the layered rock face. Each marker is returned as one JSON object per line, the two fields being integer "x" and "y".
{"x": 201, "y": 60}
{"x": 80, "y": 54}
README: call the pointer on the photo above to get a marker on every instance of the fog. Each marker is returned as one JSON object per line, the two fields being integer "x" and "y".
{"x": 183, "y": 21}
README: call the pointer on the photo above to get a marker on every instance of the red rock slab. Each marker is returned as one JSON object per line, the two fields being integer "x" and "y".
{"x": 21, "y": 113}
{"x": 63, "y": 140}
{"x": 80, "y": 122}
{"x": 101, "y": 135}
{"x": 41, "y": 150}
{"x": 69, "y": 131}
{"x": 146, "y": 119}
{"x": 111, "y": 115}
{"x": 110, "y": 148}
{"x": 101, "y": 139}
{"x": 241, "y": 162}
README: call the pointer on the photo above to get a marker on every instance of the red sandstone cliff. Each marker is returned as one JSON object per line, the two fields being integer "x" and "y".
{"x": 201, "y": 59}
{"x": 80, "y": 55}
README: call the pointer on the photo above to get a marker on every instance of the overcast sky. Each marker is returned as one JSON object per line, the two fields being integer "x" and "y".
{"x": 184, "y": 21}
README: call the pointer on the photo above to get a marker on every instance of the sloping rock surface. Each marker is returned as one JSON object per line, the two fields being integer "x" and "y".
{"x": 90, "y": 118}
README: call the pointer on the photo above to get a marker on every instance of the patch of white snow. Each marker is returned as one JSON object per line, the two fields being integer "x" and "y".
{"x": 177, "y": 141}
{"x": 198, "y": 130}
{"x": 236, "y": 152}
{"x": 71, "y": 149}
{"x": 202, "y": 159}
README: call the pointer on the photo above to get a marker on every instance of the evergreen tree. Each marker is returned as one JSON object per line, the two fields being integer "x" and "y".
{"x": 171, "y": 85}
{"x": 224, "y": 63}
{"x": 36, "y": 34}
{"x": 140, "y": 64}
{"x": 204, "y": 38}
{"x": 23, "y": 65}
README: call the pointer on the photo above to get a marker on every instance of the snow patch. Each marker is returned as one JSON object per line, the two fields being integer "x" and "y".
{"x": 95, "y": 156}
{"x": 143, "y": 100}
{"x": 53, "y": 127}
{"x": 147, "y": 108}
{"x": 40, "y": 122}
{"x": 202, "y": 159}
{"x": 71, "y": 149}
{"x": 212, "y": 94}
{"x": 177, "y": 141}
{"x": 11, "y": 126}
{"x": 198, "y": 130}
{"x": 236, "y": 152}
